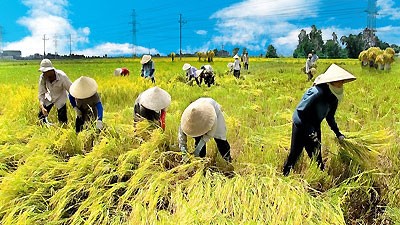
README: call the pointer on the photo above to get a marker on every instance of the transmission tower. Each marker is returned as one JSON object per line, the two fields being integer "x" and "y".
{"x": 55, "y": 46}
{"x": 44, "y": 45}
{"x": 134, "y": 32}
{"x": 369, "y": 31}
{"x": 181, "y": 22}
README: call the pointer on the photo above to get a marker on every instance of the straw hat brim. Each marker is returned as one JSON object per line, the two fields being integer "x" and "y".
{"x": 83, "y": 87}
{"x": 198, "y": 118}
{"x": 334, "y": 73}
{"x": 155, "y": 99}
{"x": 145, "y": 59}
{"x": 236, "y": 56}
{"x": 186, "y": 66}
{"x": 198, "y": 72}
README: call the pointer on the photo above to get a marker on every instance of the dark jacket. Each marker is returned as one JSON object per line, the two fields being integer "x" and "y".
{"x": 318, "y": 103}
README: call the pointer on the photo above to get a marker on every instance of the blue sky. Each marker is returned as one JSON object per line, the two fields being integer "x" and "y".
{"x": 106, "y": 27}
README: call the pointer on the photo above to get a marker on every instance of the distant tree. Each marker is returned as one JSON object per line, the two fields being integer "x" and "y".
{"x": 396, "y": 48}
{"x": 316, "y": 38}
{"x": 354, "y": 44}
{"x": 271, "y": 52}
{"x": 331, "y": 49}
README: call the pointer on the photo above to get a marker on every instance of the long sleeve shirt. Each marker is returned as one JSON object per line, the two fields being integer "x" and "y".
{"x": 236, "y": 64}
{"x": 91, "y": 107}
{"x": 191, "y": 72}
{"x": 54, "y": 92}
{"x": 218, "y": 131}
{"x": 148, "y": 69}
{"x": 318, "y": 103}
{"x": 308, "y": 65}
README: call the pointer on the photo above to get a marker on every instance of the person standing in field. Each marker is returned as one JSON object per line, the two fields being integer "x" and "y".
{"x": 148, "y": 68}
{"x": 236, "y": 66}
{"x": 203, "y": 120}
{"x": 308, "y": 69}
{"x": 245, "y": 58}
{"x": 53, "y": 87}
{"x": 314, "y": 58}
{"x": 88, "y": 103}
{"x": 152, "y": 105}
{"x": 191, "y": 73}
{"x": 318, "y": 103}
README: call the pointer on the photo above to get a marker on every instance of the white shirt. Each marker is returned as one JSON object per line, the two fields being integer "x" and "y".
{"x": 236, "y": 64}
{"x": 54, "y": 92}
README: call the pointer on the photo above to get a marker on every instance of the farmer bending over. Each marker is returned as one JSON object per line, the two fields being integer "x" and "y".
{"x": 152, "y": 105}
{"x": 53, "y": 87}
{"x": 88, "y": 104}
{"x": 203, "y": 120}
{"x": 318, "y": 103}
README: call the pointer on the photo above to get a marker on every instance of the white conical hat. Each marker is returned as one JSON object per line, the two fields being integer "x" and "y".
{"x": 186, "y": 66}
{"x": 145, "y": 59}
{"x": 334, "y": 73}
{"x": 83, "y": 87}
{"x": 198, "y": 118}
{"x": 155, "y": 99}
{"x": 236, "y": 56}
{"x": 117, "y": 71}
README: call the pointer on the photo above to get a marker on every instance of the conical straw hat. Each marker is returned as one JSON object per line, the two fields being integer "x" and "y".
{"x": 186, "y": 66}
{"x": 155, "y": 99}
{"x": 83, "y": 87}
{"x": 334, "y": 73}
{"x": 145, "y": 59}
{"x": 198, "y": 118}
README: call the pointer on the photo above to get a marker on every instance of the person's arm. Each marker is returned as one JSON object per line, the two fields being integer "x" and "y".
{"x": 162, "y": 118}
{"x": 99, "y": 108}
{"x": 72, "y": 100}
{"x": 42, "y": 90}
{"x": 153, "y": 69}
{"x": 330, "y": 118}
{"x": 182, "y": 141}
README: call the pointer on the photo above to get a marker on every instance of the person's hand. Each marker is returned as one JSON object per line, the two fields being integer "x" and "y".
{"x": 141, "y": 74}
{"x": 78, "y": 112}
{"x": 313, "y": 136}
{"x": 341, "y": 137}
{"x": 44, "y": 110}
{"x": 99, "y": 125}
{"x": 185, "y": 158}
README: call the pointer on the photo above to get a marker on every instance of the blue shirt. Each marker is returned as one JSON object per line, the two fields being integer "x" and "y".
{"x": 318, "y": 103}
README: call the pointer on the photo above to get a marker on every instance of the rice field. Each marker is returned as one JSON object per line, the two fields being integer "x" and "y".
{"x": 127, "y": 175}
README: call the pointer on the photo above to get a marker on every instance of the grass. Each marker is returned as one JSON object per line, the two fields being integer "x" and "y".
{"x": 125, "y": 175}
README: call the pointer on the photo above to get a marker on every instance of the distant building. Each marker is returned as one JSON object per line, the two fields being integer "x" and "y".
{"x": 15, "y": 54}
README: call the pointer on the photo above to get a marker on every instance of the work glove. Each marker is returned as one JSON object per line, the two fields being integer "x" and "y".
{"x": 185, "y": 158}
{"x": 78, "y": 112}
{"x": 99, "y": 125}
{"x": 341, "y": 137}
{"x": 313, "y": 136}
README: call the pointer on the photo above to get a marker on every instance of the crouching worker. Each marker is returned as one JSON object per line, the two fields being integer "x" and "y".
{"x": 203, "y": 120}
{"x": 152, "y": 105}
{"x": 318, "y": 103}
{"x": 53, "y": 87}
{"x": 191, "y": 72}
{"x": 121, "y": 72}
{"x": 88, "y": 104}
{"x": 148, "y": 68}
{"x": 207, "y": 73}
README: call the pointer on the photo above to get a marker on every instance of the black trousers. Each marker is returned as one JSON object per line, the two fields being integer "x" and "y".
{"x": 236, "y": 73}
{"x": 223, "y": 147}
{"x": 300, "y": 140}
{"x": 61, "y": 113}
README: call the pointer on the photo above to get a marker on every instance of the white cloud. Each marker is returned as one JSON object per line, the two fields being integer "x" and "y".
{"x": 50, "y": 18}
{"x": 114, "y": 49}
{"x": 201, "y": 32}
{"x": 389, "y": 34}
{"x": 255, "y": 23}
{"x": 387, "y": 9}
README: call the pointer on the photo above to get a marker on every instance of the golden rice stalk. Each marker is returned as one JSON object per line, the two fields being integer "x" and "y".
{"x": 364, "y": 148}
